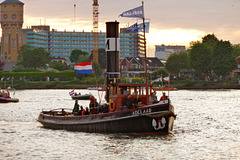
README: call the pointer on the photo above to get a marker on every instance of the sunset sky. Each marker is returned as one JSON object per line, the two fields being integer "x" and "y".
{"x": 172, "y": 22}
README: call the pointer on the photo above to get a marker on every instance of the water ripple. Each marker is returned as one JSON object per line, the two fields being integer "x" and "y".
{"x": 207, "y": 127}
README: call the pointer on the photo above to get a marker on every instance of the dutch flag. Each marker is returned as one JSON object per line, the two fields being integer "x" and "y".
{"x": 83, "y": 68}
{"x": 71, "y": 93}
{"x": 166, "y": 78}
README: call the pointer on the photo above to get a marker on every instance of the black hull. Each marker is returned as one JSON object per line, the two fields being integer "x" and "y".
{"x": 81, "y": 97}
{"x": 8, "y": 100}
{"x": 152, "y": 119}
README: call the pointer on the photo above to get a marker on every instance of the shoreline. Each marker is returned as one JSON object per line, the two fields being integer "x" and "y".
{"x": 70, "y": 85}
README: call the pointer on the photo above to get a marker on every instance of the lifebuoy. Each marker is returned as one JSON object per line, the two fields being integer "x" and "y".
{"x": 112, "y": 106}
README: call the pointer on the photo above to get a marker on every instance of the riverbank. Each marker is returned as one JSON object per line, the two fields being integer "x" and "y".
{"x": 206, "y": 85}
{"x": 21, "y": 85}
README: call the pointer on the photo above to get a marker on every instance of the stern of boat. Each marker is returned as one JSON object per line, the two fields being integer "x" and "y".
{"x": 172, "y": 117}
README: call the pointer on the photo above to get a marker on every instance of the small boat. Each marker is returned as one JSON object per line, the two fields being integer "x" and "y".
{"x": 95, "y": 88}
{"x": 164, "y": 89}
{"x": 101, "y": 89}
{"x": 8, "y": 100}
{"x": 5, "y": 97}
{"x": 81, "y": 97}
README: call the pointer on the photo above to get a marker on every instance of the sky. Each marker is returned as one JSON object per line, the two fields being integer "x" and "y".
{"x": 172, "y": 22}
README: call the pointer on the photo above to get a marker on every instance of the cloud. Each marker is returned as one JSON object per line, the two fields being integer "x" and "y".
{"x": 174, "y": 36}
{"x": 171, "y": 21}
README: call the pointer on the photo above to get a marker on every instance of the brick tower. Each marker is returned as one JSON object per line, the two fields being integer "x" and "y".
{"x": 11, "y": 23}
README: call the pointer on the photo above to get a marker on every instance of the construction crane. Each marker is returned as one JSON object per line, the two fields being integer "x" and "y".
{"x": 95, "y": 30}
{"x": 74, "y": 12}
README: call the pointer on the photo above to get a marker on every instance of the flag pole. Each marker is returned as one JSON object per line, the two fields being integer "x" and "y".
{"x": 162, "y": 84}
{"x": 168, "y": 84}
{"x": 145, "y": 54}
{"x": 94, "y": 73}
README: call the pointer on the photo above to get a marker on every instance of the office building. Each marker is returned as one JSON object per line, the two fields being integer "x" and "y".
{"x": 162, "y": 52}
{"x": 61, "y": 43}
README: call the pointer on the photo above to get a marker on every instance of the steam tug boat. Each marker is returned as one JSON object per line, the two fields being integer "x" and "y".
{"x": 142, "y": 118}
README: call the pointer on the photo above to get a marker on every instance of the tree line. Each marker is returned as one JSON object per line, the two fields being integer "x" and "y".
{"x": 32, "y": 59}
{"x": 210, "y": 59}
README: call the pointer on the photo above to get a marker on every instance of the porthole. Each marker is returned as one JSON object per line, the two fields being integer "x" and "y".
{"x": 14, "y": 16}
{"x": 5, "y": 16}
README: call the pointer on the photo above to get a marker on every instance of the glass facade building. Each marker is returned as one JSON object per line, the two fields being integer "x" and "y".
{"x": 61, "y": 43}
{"x": 131, "y": 44}
{"x": 36, "y": 38}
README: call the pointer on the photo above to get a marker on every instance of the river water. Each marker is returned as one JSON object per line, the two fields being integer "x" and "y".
{"x": 207, "y": 127}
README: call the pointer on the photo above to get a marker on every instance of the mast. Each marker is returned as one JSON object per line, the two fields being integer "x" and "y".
{"x": 145, "y": 55}
{"x": 95, "y": 30}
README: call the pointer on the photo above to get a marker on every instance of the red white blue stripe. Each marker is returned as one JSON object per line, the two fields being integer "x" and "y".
{"x": 83, "y": 68}
{"x": 166, "y": 78}
{"x": 71, "y": 93}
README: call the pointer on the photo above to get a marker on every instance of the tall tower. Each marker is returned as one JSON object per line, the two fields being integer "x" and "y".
{"x": 11, "y": 23}
{"x": 95, "y": 30}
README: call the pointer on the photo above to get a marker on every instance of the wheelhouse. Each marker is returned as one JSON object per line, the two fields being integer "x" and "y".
{"x": 117, "y": 93}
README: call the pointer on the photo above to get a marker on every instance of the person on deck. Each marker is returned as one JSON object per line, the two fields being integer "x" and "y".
{"x": 86, "y": 111}
{"x": 76, "y": 107}
{"x": 81, "y": 111}
{"x": 164, "y": 97}
{"x": 5, "y": 94}
{"x": 99, "y": 108}
{"x": 105, "y": 108}
{"x": 63, "y": 112}
{"x": 128, "y": 102}
{"x": 153, "y": 98}
{"x": 137, "y": 100}
{"x": 93, "y": 105}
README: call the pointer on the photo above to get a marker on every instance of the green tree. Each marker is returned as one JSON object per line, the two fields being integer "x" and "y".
{"x": 159, "y": 72}
{"x": 24, "y": 50}
{"x": 97, "y": 69}
{"x": 224, "y": 61}
{"x": 78, "y": 56}
{"x": 59, "y": 66}
{"x": 200, "y": 58}
{"x": 102, "y": 57}
{"x": 211, "y": 40}
{"x": 20, "y": 69}
{"x": 30, "y": 57}
{"x": 236, "y": 50}
{"x": 176, "y": 62}
{"x": 213, "y": 56}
